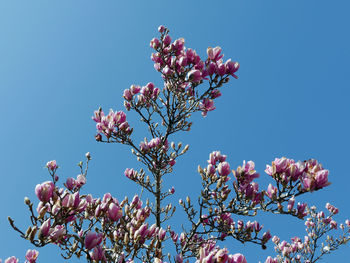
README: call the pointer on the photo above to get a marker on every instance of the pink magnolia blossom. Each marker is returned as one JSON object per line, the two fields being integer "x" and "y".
{"x": 52, "y": 165}
{"x": 161, "y": 29}
{"x": 332, "y": 209}
{"x": 214, "y": 53}
{"x": 92, "y": 239}
{"x": 291, "y": 202}
{"x": 206, "y": 105}
{"x": 44, "y": 191}
{"x": 194, "y": 75}
{"x": 321, "y": 179}
{"x": 238, "y": 258}
{"x": 127, "y": 95}
{"x": 271, "y": 260}
{"x": 31, "y": 256}
{"x": 167, "y": 40}
{"x": 271, "y": 191}
{"x": 11, "y": 260}
{"x": 98, "y": 254}
{"x": 224, "y": 169}
{"x": 57, "y": 232}
{"x": 114, "y": 212}
{"x": 45, "y": 228}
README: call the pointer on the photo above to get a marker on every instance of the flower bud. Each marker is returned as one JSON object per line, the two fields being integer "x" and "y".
{"x": 26, "y": 200}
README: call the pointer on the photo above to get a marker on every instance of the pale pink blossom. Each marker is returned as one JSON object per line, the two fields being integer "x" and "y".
{"x": 44, "y": 191}
{"x": 31, "y": 256}
{"x": 92, "y": 239}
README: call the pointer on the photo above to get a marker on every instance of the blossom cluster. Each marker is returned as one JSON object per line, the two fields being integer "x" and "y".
{"x": 317, "y": 225}
{"x": 31, "y": 257}
{"x": 185, "y": 68}
{"x": 60, "y": 216}
{"x": 112, "y": 125}
{"x": 310, "y": 173}
{"x": 145, "y": 95}
{"x": 109, "y": 230}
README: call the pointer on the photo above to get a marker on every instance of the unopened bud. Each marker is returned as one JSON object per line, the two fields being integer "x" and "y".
{"x": 88, "y": 156}
{"x": 186, "y": 148}
{"x": 29, "y": 229}
{"x": 26, "y": 200}
{"x": 98, "y": 137}
{"x": 74, "y": 247}
{"x": 32, "y": 233}
{"x": 188, "y": 200}
{"x": 199, "y": 169}
{"x": 179, "y": 145}
{"x": 126, "y": 238}
{"x": 42, "y": 212}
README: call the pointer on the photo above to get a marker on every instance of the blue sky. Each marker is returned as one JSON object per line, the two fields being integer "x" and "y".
{"x": 61, "y": 60}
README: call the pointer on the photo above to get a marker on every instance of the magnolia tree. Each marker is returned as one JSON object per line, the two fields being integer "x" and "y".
{"x": 110, "y": 230}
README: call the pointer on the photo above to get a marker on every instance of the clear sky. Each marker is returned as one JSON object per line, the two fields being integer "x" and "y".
{"x": 61, "y": 60}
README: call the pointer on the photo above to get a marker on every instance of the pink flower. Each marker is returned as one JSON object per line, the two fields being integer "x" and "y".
{"x": 161, "y": 234}
{"x": 44, "y": 191}
{"x": 81, "y": 180}
{"x": 130, "y": 173}
{"x": 167, "y": 71}
{"x": 215, "y": 94}
{"x": 291, "y": 203}
{"x": 224, "y": 169}
{"x": 206, "y": 105}
{"x": 266, "y": 237}
{"x": 347, "y": 222}
{"x": 301, "y": 210}
{"x": 11, "y": 260}
{"x": 161, "y": 29}
{"x": 332, "y": 209}
{"x": 307, "y": 182}
{"x": 194, "y": 75}
{"x": 70, "y": 183}
{"x": 221, "y": 70}
{"x": 321, "y": 179}
{"x": 45, "y": 228}
{"x": 275, "y": 239}
{"x": 238, "y": 258}
{"x": 127, "y": 95}
{"x": 98, "y": 254}
{"x": 144, "y": 147}
{"x": 31, "y": 256}
{"x": 135, "y": 89}
{"x": 92, "y": 239}
{"x": 214, "y": 53}
{"x": 52, "y": 165}
{"x": 281, "y": 164}
{"x": 155, "y": 142}
{"x": 271, "y": 260}
{"x": 231, "y": 67}
{"x": 167, "y": 40}
{"x": 154, "y": 43}
{"x": 114, "y": 212}
{"x": 57, "y": 233}
{"x": 271, "y": 191}
{"x": 172, "y": 162}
